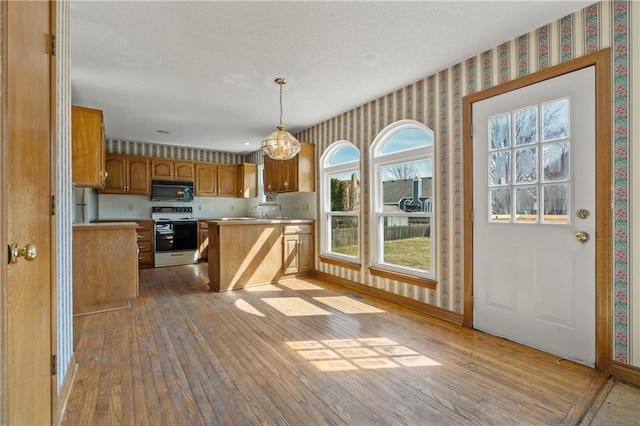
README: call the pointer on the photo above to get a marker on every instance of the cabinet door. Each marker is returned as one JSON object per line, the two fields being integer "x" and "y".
{"x": 87, "y": 147}
{"x": 206, "y": 180}
{"x": 162, "y": 169}
{"x": 184, "y": 171}
{"x": 305, "y": 252}
{"x": 247, "y": 180}
{"x": 138, "y": 176}
{"x": 288, "y": 175}
{"x": 115, "y": 183}
{"x": 290, "y": 261}
{"x": 203, "y": 244}
{"x": 227, "y": 184}
{"x": 270, "y": 175}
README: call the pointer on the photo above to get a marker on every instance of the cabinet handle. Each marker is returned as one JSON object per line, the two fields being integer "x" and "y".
{"x": 286, "y": 184}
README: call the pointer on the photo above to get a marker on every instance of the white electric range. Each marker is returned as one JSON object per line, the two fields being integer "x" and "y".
{"x": 176, "y": 236}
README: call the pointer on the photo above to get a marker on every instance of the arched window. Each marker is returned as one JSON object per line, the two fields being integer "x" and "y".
{"x": 340, "y": 202}
{"x": 402, "y": 200}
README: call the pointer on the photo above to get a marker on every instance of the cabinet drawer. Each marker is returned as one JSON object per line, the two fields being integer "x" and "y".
{"x": 145, "y": 225}
{"x": 145, "y": 258}
{"x": 144, "y": 236}
{"x": 144, "y": 246}
{"x": 298, "y": 229}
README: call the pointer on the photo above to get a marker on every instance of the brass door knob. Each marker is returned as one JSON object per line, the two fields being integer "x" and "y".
{"x": 582, "y": 236}
{"x": 29, "y": 252}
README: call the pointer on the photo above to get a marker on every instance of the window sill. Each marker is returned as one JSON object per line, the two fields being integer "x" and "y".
{"x": 343, "y": 263}
{"x": 410, "y": 279}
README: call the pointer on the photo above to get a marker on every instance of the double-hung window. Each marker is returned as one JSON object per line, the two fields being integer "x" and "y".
{"x": 340, "y": 202}
{"x": 402, "y": 191}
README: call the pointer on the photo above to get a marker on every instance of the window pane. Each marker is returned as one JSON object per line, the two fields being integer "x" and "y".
{"x": 345, "y": 192}
{"x": 556, "y": 203}
{"x": 407, "y": 242}
{"x": 346, "y": 154}
{"x": 527, "y": 204}
{"x": 527, "y": 165}
{"x": 555, "y": 120}
{"x": 526, "y": 126}
{"x": 500, "y": 205}
{"x": 407, "y": 139}
{"x": 344, "y": 235}
{"x": 555, "y": 161}
{"x": 500, "y": 168}
{"x": 500, "y": 131}
{"x": 407, "y": 187}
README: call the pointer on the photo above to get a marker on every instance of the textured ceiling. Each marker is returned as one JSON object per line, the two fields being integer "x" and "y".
{"x": 204, "y": 70}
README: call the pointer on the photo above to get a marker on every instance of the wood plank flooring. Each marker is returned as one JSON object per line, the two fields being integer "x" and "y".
{"x": 305, "y": 352}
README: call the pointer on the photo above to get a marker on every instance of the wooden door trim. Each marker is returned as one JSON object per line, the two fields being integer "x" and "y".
{"x": 4, "y": 241}
{"x": 602, "y": 62}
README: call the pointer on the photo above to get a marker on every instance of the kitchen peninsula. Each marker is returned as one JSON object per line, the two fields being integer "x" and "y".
{"x": 245, "y": 252}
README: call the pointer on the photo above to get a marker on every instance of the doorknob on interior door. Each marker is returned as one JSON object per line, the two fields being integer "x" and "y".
{"x": 29, "y": 252}
{"x": 582, "y": 236}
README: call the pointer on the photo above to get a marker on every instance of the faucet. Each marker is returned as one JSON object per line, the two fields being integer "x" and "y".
{"x": 262, "y": 215}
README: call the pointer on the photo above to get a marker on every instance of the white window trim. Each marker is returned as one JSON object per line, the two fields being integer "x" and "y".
{"x": 376, "y": 162}
{"x": 325, "y": 201}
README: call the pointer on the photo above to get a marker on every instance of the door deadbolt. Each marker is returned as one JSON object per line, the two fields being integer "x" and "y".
{"x": 29, "y": 252}
{"x": 582, "y": 213}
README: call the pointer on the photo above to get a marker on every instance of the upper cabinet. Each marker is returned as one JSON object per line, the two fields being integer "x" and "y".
{"x": 217, "y": 180}
{"x": 127, "y": 175}
{"x": 87, "y": 147}
{"x": 247, "y": 180}
{"x": 295, "y": 174}
{"x": 162, "y": 169}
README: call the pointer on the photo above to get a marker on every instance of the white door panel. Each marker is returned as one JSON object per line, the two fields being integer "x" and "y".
{"x": 533, "y": 170}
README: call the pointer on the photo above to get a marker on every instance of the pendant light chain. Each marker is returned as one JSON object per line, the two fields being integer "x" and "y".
{"x": 281, "y": 102}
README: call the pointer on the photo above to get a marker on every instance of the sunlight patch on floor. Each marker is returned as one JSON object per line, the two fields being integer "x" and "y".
{"x": 246, "y": 307}
{"x": 266, "y": 287}
{"x": 347, "y": 305}
{"x": 353, "y": 354}
{"x": 300, "y": 285}
{"x": 294, "y": 306}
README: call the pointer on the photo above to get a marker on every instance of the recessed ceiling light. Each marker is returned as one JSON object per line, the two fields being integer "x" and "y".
{"x": 164, "y": 132}
{"x": 246, "y": 143}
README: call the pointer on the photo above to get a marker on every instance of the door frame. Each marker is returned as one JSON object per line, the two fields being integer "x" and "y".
{"x": 602, "y": 62}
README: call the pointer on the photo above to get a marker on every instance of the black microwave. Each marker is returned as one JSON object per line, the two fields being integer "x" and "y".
{"x": 169, "y": 190}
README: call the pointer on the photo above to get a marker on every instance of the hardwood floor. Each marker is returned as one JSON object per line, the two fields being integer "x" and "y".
{"x": 304, "y": 352}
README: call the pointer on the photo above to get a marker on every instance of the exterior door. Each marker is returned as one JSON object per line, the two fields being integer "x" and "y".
{"x": 534, "y": 215}
{"x": 26, "y": 382}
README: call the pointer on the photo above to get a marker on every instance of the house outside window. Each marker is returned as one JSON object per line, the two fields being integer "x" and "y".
{"x": 340, "y": 202}
{"x": 402, "y": 220}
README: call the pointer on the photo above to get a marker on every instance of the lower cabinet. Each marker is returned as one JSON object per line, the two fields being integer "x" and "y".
{"x": 105, "y": 266}
{"x": 145, "y": 236}
{"x": 298, "y": 249}
{"x": 203, "y": 241}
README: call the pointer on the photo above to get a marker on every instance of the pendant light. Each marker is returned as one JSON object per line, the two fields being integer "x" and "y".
{"x": 280, "y": 145}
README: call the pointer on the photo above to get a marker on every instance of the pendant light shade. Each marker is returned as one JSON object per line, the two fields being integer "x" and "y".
{"x": 280, "y": 145}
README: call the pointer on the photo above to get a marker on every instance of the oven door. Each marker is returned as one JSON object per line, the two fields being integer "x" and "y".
{"x": 185, "y": 235}
{"x": 164, "y": 236}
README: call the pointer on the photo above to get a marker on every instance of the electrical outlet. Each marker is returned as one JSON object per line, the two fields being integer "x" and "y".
{"x": 130, "y": 207}
{"x": 233, "y": 208}
{"x": 305, "y": 207}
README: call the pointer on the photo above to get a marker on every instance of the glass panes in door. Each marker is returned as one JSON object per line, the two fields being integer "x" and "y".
{"x": 529, "y": 177}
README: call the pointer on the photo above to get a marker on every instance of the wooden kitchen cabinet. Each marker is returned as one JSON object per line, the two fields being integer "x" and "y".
{"x": 163, "y": 169}
{"x": 127, "y": 174}
{"x": 295, "y": 174}
{"x": 247, "y": 180}
{"x": 203, "y": 241}
{"x": 216, "y": 180}
{"x": 145, "y": 238}
{"x": 105, "y": 266}
{"x": 227, "y": 180}
{"x": 206, "y": 184}
{"x": 87, "y": 147}
{"x": 298, "y": 248}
